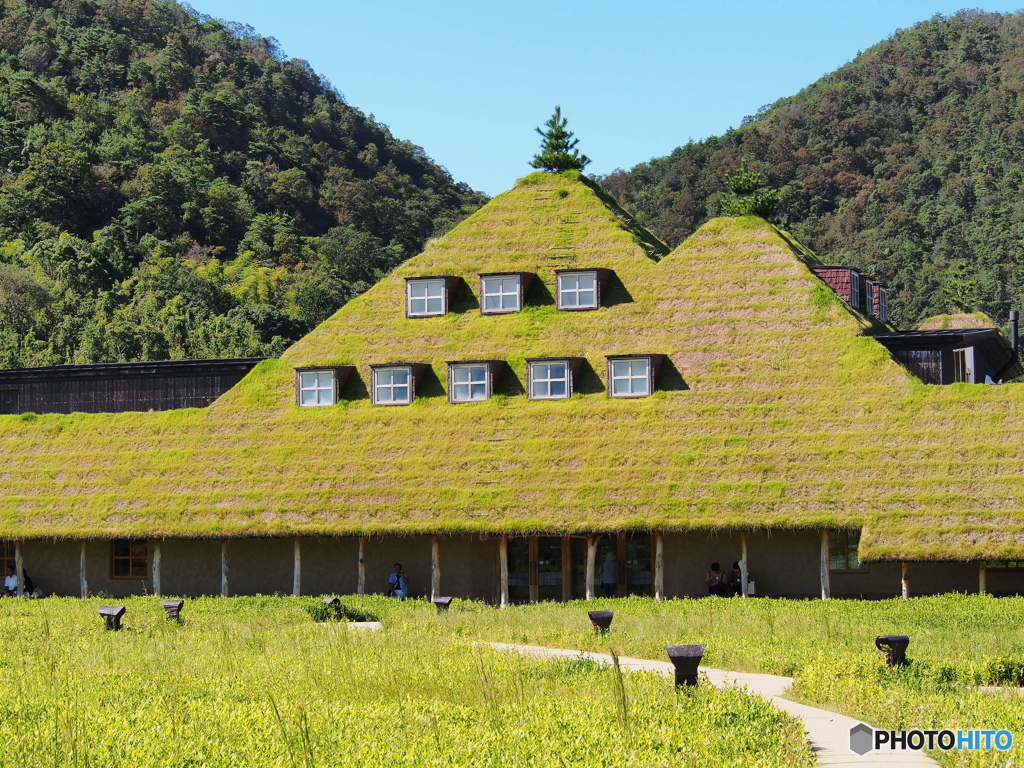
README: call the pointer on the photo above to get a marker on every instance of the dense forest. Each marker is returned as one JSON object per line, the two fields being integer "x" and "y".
{"x": 907, "y": 162}
{"x": 172, "y": 186}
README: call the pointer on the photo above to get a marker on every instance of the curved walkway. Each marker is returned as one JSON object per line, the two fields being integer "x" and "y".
{"x": 828, "y": 732}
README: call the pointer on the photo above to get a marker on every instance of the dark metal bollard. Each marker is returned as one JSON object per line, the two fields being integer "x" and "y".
{"x": 895, "y": 649}
{"x": 686, "y": 659}
{"x": 112, "y": 614}
{"x": 173, "y": 608}
{"x": 602, "y": 621}
{"x": 442, "y": 603}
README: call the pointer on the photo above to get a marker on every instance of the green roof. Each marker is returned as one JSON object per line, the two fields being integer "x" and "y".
{"x": 773, "y": 410}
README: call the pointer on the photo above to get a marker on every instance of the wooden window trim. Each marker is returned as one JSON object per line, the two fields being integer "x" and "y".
{"x": 601, "y": 277}
{"x": 494, "y": 368}
{"x": 1018, "y": 566}
{"x": 450, "y": 285}
{"x": 341, "y": 375}
{"x": 654, "y": 363}
{"x": 525, "y": 281}
{"x": 847, "y": 549}
{"x": 573, "y": 365}
{"x": 130, "y": 558}
{"x": 416, "y": 372}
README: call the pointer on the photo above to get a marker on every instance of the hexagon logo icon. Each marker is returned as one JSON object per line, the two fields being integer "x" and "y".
{"x": 862, "y": 739}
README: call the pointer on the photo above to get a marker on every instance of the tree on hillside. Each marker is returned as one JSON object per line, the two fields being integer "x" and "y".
{"x": 961, "y": 290}
{"x": 748, "y": 199}
{"x": 558, "y": 151}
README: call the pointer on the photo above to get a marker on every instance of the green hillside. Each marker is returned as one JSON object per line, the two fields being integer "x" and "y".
{"x": 173, "y": 186}
{"x": 906, "y": 162}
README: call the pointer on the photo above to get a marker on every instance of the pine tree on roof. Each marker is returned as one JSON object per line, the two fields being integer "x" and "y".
{"x": 558, "y": 152}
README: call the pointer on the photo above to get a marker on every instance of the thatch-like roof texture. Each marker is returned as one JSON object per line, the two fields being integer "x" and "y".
{"x": 774, "y": 410}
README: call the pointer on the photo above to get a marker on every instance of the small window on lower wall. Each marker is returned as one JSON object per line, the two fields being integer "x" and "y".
{"x": 129, "y": 559}
{"x": 552, "y": 378}
{"x": 632, "y": 376}
{"x": 1004, "y": 565}
{"x": 472, "y": 381}
{"x": 842, "y": 552}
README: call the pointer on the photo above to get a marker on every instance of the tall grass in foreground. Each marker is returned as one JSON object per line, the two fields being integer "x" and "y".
{"x": 257, "y": 682}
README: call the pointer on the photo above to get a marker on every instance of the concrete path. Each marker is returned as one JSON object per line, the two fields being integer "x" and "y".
{"x": 827, "y": 732}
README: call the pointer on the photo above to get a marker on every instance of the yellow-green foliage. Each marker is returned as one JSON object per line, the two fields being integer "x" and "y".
{"x": 774, "y": 410}
{"x": 257, "y": 683}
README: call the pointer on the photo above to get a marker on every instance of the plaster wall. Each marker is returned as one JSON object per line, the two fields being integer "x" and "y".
{"x": 189, "y": 568}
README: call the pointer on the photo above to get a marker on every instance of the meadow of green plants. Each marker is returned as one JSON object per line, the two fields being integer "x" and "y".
{"x": 278, "y": 681}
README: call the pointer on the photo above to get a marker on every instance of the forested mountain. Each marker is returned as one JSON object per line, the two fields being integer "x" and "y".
{"x": 906, "y": 162}
{"x": 173, "y": 186}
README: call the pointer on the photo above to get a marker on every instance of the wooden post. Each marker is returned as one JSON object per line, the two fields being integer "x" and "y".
{"x": 83, "y": 582}
{"x": 906, "y": 580}
{"x": 156, "y": 568}
{"x": 534, "y": 569}
{"x": 982, "y": 577}
{"x": 566, "y": 569}
{"x": 297, "y": 570}
{"x": 361, "y": 580}
{"x": 743, "y": 563}
{"x": 503, "y": 571}
{"x": 591, "y": 560}
{"x": 826, "y": 587}
{"x": 224, "y": 568}
{"x": 19, "y": 567}
{"x": 435, "y": 568}
{"x": 659, "y": 565}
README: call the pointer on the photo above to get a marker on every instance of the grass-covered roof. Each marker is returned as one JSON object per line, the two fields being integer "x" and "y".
{"x": 773, "y": 410}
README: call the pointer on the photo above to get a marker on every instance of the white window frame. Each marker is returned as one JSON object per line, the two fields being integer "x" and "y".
{"x": 883, "y": 305}
{"x": 383, "y": 380}
{"x": 502, "y": 294}
{"x": 630, "y": 376}
{"x": 562, "y": 291}
{"x": 854, "y": 289}
{"x": 967, "y": 353}
{"x": 534, "y": 380}
{"x": 427, "y": 283}
{"x": 869, "y": 297}
{"x": 471, "y": 368}
{"x": 324, "y": 387}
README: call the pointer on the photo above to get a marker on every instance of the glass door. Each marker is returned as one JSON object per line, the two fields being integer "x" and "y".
{"x": 519, "y": 570}
{"x": 549, "y": 568}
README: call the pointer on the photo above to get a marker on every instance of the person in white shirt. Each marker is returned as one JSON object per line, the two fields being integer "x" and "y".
{"x": 11, "y": 582}
{"x": 398, "y": 582}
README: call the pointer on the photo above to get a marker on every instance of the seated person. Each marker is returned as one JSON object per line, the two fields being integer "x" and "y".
{"x": 735, "y": 580}
{"x": 27, "y": 586}
{"x": 716, "y": 581}
{"x": 10, "y": 582}
{"x": 398, "y": 583}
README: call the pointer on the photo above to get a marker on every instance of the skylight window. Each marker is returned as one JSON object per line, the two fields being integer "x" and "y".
{"x": 630, "y": 377}
{"x": 393, "y": 385}
{"x": 501, "y": 293}
{"x": 578, "y": 290}
{"x": 550, "y": 379}
{"x": 317, "y": 388}
{"x": 426, "y": 297}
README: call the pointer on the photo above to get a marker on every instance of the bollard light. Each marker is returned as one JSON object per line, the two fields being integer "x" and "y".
{"x": 686, "y": 659}
{"x": 602, "y": 621}
{"x": 442, "y": 603}
{"x": 173, "y": 608}
{"x": 895, "y": 649}
{"x": 112, "y": 614}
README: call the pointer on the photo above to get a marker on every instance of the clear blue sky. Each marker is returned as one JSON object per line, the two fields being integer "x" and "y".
{"x": 469, "y": 81}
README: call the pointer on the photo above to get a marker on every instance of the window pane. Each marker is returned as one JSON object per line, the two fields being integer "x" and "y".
{"x": 620, "y": 386}
{"x": 460, "y": 374}
{"x": 837, "y": 561}
{"x": 122, "y": 548}
{"x": 400, "y": 375}
{"x": 401, "y": 394}
{"x": 121, "y": 567}
{"x": 557, "y": 388}
{"x": 492, "y": 301}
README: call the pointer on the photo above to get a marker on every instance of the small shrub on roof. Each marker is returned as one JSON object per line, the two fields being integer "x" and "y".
{"x": 558, "y": 153}
{"x": 748, "y": 199}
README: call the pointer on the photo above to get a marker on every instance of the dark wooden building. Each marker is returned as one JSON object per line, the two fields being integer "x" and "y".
{"x": 958, "y": 355}
{"x": 118, "y": 387}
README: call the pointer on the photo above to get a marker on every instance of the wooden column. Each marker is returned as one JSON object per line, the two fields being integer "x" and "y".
{"x": 826, "y": 587}
{"x": 591, "y": 560}
{"x": 157, "y": 557}
{"x": 534, "y": 569}
{"x": 503, "y": 571}
{"x": 906, "y": 580}
{"x": 659, "y": 565}
{"x": 743, "y": 563}
{"x": 19, "y": 567}
{"x": 982, "y": 577}
{"x": 224, "y": 592}
{"x": 361, "y": 579}
{"x": 83, "y": 583}
{"x": 435, "y": 568}
{"x": 297, "y": 570}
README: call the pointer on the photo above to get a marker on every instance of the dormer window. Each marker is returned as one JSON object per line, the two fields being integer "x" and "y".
{"x": 869, "y": 297}
{"x": 472, "y": 381}
{"x": 428, "y": 296}
{"x": 552, "y": 378}
{"x": 855, "y": 290}
{"x": 633, "y": 375}
{"x": 578, "y": 290}
{"x": 883, "y": 304}
{"x": 396, "y": 384}
{"x": 316, "y": 387}
{"x": 503, "y": 293}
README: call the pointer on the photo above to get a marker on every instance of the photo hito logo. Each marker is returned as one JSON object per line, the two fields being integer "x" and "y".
{"x": 864, "y": 739}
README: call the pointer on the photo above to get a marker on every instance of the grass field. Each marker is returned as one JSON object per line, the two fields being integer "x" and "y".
{"x": 259, "y": 682}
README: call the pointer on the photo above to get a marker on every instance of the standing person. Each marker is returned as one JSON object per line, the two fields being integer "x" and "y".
{"x": 11, "y": 582}
{"x": 735, "y": 580}
{"x": 715, "y": 580}
{"x": 398, "y": 583}
{"x": 609, "y": 574}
